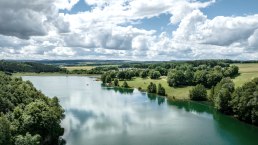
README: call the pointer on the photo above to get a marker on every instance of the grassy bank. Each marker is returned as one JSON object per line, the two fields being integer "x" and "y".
{"x": 247, "y": 73}
{"x": 177, "y": 93}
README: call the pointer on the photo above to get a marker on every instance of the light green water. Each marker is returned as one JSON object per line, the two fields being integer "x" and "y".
{"x": 96, "y": 115}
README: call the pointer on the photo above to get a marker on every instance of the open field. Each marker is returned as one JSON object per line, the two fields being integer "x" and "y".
{"x": 71, "y": 68}
{"x": 247, "y": 73}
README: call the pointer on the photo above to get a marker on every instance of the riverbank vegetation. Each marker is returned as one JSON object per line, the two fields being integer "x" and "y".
{"x": 202, "y": 81}
{"x": 26, "y": 115}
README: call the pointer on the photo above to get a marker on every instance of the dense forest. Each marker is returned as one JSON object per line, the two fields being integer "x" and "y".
{"x": 13, "y": 66}
{"x": 28, "y": 117}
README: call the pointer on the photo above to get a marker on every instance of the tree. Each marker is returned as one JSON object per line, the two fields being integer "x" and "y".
{"x": 161, "y": 90}
{"x": 108, "y": 79}
{"x": 144, "y": 74}
{"x": 103, "y": 78}
{"x": 200, "y": 77}
{"x": 222, "y": 94}
{"x": 161, "y": 70}
{"x": 125, "y": 85}
{"x": 152, "y": 88}
{"x": 154, "y": 74}
{"x": 5, "y": 131}
{"x": 198, "y": 93}
{"x": 245, "y": 102}
{"x": 176, "y": 78}
{"x": 28, "y": 139}
{"x": 121, "y": 75}
{"x": 116, "y": 82}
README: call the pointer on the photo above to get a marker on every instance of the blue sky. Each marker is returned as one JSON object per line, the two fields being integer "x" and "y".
{"x": 161, "y": 23}
{"x": 129, "y": 29}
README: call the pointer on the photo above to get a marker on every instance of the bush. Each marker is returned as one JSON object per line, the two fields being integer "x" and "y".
{"x": 154, "y": 74}
{"x": 125, "y": 85}
{"x": 198, "y": 93}
{"x": 116, "y": 82}
{"x": 222, "y": 94}
{"x": 161, "y": 90}
{"x": 152, "y": 88}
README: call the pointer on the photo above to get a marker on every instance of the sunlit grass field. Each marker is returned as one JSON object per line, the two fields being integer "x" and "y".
{"x": 71, "y": 68}
{"x": 247, "y": 73}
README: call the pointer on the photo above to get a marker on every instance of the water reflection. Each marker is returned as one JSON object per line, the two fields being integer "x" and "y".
{"x": 98, "y": 115}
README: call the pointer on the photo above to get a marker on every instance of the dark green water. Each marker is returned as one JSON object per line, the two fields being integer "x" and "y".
{"x": 97, "y": 115}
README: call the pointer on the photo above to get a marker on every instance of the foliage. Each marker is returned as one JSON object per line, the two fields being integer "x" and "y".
{"x": 28, "y": 111}
{"x": 176, "y": 78}
{"x": 154, "y": 74}
{"x": 125, "y": 85}
{"x": 245, "y": 102}
{"x": 144, "y": 74}
{"x": 13, "y": 66}
{"x": 161, "y": 90}
{"x": 28, "y": 139}
{"x": 222, "y": 95}
{"x": 5, "y": 131}
{"x": 198, "y": 93}
{"x": 116, "y": 82}
{"x": 152, "y": 88}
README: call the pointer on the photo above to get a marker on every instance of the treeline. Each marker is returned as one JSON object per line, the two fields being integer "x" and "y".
{"x": 241, "y": 102}
{"x": 174, "y": 64}
{"x": 96, "y": 70}
{"x": 187, "y": 75}
{"x": 180, "y": 74}
{"x": 28, "y": 117}
{"x": 13, "y": 66}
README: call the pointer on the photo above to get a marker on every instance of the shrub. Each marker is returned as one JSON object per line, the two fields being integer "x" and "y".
{"x": 198, "y": 93}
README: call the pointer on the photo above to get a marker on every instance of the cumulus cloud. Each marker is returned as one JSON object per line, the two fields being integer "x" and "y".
{"x": 25, "y": 18}
{"x": 36, "y": 29}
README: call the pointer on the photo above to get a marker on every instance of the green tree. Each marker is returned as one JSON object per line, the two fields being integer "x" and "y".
{"x": 154, "y": 74}
{"x": 176, "y": 78}
{"x": 244, "y": 102}
{"x": 222, "y": 95}
{"x": 198, "y": 93}
{"x": 125, "y": 85}
{"x": 116, "y": 82}
{"x": 161, "y": 90}
{"x": 28, "y": 139}
{"x": 121, "y": 75}
{"x": 5, "y": 131}
{"x": 152, "y": 88}
{"x": 108, "y": 79}
{"x": 144, "y": 74}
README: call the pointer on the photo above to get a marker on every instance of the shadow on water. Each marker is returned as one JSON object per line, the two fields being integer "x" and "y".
{"x": 222, "y": 123}
{"x": 118, "y": 89}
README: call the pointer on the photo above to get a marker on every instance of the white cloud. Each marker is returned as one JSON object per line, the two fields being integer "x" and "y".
{"x": 25, "y": 18}
{"x": 107, "y": 31}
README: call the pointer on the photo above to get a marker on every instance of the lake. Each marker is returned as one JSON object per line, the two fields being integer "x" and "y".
{"x": 98, "y": 115}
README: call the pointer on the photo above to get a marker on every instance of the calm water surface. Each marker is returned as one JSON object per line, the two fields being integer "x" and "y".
{"x": 96, "y": 115}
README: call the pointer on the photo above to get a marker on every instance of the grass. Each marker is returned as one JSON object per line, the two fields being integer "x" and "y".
{"x": 71, "y": 68}
{"x": 247, "y": 73}
{"x": 172, "y": 93}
